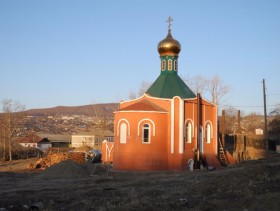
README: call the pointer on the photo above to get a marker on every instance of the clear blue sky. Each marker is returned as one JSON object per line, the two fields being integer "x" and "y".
{"x": 83, "y": 52}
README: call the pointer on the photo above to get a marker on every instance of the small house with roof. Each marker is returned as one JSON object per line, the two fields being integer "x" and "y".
{"x": 169, "y": 126}
{"x": 58, "y": 141}
{"x": 34, "y": 141}
{"x": 91, "y": 139}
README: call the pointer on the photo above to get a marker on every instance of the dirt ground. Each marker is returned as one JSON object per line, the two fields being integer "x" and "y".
{"x": 250, "y": 185}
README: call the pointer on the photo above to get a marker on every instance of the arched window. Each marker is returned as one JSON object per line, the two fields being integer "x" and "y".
{"x": 123, "y": 133}
{"x": 169, "y": 64}
{"x": 208, "y": 133}
{"x": 188, "y": 132}
{"x": 163, "y": 65}
{"x": 146, "y": 133}
{"x": 175, "y": 65}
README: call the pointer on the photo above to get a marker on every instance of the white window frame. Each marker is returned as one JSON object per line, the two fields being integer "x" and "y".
{"x": 163, "y": 65}
{"x": 188, "y": 131}
{"x": 123, "y": 133}
{"x": 146, "y": 126}
{"x": 169, "y": 64}
{"x": 175, "y": 65}
{"x": 208, "y": 133}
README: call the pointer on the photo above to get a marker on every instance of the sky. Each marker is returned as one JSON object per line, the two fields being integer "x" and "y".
{"x": 71, "y": 53}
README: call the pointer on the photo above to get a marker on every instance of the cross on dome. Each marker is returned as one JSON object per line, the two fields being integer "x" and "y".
{"x": 169, "y": 46}
{"x": 169, "y": 22}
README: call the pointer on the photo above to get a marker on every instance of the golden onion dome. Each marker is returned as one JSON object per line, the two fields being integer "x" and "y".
{"x": 169, "y": 46}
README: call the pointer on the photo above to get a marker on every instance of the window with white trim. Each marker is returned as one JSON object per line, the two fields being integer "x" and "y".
{"x": 188, "y": 132}
{"x": 146, "y": 133}
{"x": 169, "y": 64}
{"x": 175, "y": 65}
{"x": 208, "y": 133}
{"x": 163, "y": 65}
{"x": 123, "y": 132}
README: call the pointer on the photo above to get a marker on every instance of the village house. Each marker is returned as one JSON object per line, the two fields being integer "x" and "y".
{"x": 57, "y": 141}
{"x": 91, "y": 139}
{"x": 34, "y": 141}
{"x": 82, "y": 140}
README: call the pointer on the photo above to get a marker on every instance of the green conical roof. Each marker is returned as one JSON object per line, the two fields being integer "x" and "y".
{"x": 169, "y": 86}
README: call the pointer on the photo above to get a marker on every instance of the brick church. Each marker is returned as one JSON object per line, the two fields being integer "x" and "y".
{"x": 169, "y": 126}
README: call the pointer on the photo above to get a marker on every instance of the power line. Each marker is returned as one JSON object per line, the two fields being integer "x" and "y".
{"x": 272, "y": 75}
{"x": 252, "y": 106}
{"x": 272, "y": 94}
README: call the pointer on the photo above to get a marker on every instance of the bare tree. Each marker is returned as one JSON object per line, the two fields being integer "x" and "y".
{"x": 3, "y": 137}
{"x": 276, "y": 110}
{"x": 11, "y": 121}
{"x": 231, "y": 123}
{"x": 198, "y": 84}
{"x": 274, "y": 127}
{"x": 252, "y": 121}
{"x": 274, "y": 124}
{"x": 132, "y": 95}
{"x": 142, "y": 89}
{"x": 214, "y": 87}
{"x": 102, "y": 123}
{"x": 217, "y": 89}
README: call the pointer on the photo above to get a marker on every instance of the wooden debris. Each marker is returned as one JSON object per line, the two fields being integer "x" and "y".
{"x": 54, "y": 158}
{"x": 78, "y": 157}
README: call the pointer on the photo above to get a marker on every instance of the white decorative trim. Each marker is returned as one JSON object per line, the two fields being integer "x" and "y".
{"x": 163, "y": 67}
{"x": 108, "y": 150}
{"x": 193, "y": 111}
{"x": 211, "y": 125}
{"x": 149, "y": 120}
{"x": 203, "y": 109}
{"x": 181, "y": 127}
{"x": 172, "y": 127}
{"x": 143, "y": 96}
{"x": 157, "y": 98}
{"x": 208, "y": 133}
{"x": 216, "y": 129}
{"x": 189, "y": 99}
{"x": 169, "y": 61}
{"x": 130, "y": 111}
{"x": 149, "y": 134}
{"x": 175, "y": 65}
{"x": 209, "y": 102}
{"x": 127, "y": 101}
{"x": 118, "y": 127}
{"x": 123, "y": 133}
{"x": 192, "y": 124}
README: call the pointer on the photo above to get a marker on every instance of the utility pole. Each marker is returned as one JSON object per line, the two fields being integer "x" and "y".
{"x": 223, "y": 129}
{"x": 265, "y": 116}
{"x": 238, "y": 122}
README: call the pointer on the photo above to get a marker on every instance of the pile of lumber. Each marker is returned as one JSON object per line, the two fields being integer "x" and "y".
{"x": 78, "y": 157}
{"x": 54, "y": 158}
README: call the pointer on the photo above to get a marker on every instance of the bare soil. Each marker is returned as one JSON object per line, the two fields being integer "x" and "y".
{"x": 250, "y": 185}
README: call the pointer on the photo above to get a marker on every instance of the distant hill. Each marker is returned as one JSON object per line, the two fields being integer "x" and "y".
{"x": 97, "y": 110}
